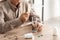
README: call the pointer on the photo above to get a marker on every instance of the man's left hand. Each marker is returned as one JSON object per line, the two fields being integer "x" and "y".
{"x": 37, "y": 26}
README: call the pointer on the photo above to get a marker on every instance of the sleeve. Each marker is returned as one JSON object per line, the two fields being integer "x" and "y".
{"x": 34, "y": 16}
{"x": 7, "y": 26}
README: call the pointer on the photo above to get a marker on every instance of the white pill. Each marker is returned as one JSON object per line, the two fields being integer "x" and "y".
{"x": 28, "y": 35}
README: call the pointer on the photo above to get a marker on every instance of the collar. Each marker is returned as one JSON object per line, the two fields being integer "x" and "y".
{"x": 13, "y": 7}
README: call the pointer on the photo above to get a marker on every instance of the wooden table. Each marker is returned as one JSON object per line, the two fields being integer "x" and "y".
{"x": 15, "y": 34}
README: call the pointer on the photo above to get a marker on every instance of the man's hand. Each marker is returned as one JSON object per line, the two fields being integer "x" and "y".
{"x": 24, "y": 17}
{"x": 37, "y": 26}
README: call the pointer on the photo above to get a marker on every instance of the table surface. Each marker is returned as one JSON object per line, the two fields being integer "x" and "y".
{"x": 16, "y": 34}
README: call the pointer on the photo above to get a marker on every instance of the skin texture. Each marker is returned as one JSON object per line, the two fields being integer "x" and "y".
{"x": 37, "y": 26}
{"x": 14, "y": 2}
{"x": 24, "y": 16}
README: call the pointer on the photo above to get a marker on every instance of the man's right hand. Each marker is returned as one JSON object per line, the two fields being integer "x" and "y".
{"x": 24, "y": 17}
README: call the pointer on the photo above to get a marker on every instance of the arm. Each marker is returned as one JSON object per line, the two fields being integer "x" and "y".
{"x": 6, "y": 26}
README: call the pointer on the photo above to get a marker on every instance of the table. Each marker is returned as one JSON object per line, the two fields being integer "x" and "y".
{"x": 15, "y": 34}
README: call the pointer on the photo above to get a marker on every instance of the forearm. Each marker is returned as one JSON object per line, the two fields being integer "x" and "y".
{"x": 14, "y": 22}
{"x": 7, "y": 26}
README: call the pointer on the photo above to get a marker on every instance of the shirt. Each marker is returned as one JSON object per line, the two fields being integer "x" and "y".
{"x": 9, "y": 16}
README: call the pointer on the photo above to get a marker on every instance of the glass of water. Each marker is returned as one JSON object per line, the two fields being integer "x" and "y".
{"x": 34, "y": 25}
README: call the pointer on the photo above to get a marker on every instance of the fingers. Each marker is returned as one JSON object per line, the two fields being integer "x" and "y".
{"x": 39, "y": 28}
{"x": 27, "y": 13}
{"x": 24, "y": 16}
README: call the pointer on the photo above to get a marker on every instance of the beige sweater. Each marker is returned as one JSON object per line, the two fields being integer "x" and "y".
{"x": 9, "y": 16}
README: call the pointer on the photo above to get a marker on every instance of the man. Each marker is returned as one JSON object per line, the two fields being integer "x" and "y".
{"x": 9, "y": 16}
